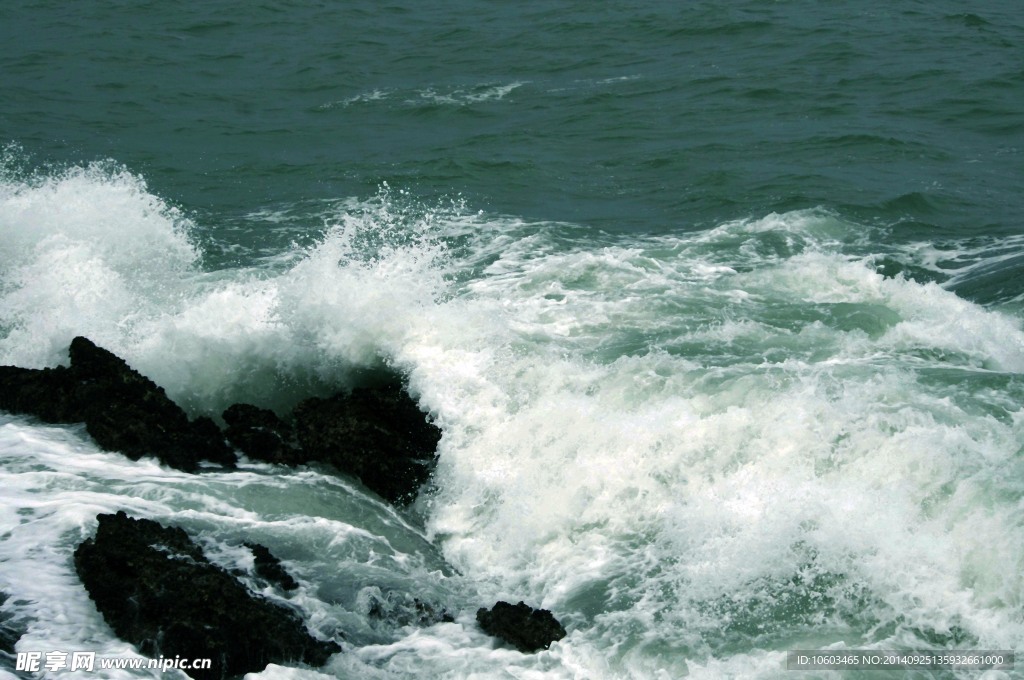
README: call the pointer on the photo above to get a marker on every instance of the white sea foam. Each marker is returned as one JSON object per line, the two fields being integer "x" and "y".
{"x": 439, "y": 95}
{"x": 88, "y": 251}
{"x": 91, "y": 253}
{"x": 961, "y": 260}
{"x": 698, "y": 450}
{"x": 463, "y": 96}
{"x": 374, "y": 95}
{"x": 684, "y": 492}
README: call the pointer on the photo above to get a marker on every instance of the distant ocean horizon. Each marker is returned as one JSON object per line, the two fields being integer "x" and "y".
{"x": 718, "y": 306}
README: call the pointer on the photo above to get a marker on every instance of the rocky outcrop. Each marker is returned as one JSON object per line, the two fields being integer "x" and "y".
{"x": 525, "y": 628}
{"x": 157, "y": 590}
{"x": 377, "y": 434}
{"x": 122, "y": 410}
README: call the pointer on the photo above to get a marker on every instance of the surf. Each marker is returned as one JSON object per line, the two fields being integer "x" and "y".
{"x": 699, "y": 449}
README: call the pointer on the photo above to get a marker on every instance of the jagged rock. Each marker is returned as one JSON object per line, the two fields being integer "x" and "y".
{"x": 261, "y": 435}
{"x": 157, "y": 590}
{"x": 269, "y": 567}
{"x": 377, "y": 434}
{"x": 122, "y": 409}
{"x": 527, "y": 629}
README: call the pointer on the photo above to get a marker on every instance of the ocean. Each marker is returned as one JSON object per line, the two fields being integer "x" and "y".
{"x": 718, "y": 304}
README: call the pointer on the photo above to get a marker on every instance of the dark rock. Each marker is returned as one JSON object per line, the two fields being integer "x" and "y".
{"x": 10, "y": 633}
{"x": 269, "y": 567}
{"x": 527, "y": 629}
{"x": 157, "y": 590}
{"x": 207, "y": 442}
{"x": 261, "y": 435}
{"x": 47, "y": 394}
{"x": 377, "y": 434}
{"x": 122, "y": 409}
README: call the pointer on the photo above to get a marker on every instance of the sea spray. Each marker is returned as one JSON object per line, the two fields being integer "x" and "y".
{"x": 87, "y": 250}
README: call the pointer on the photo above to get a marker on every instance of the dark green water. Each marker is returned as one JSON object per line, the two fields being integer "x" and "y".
{"x": 719, "y": 306}
{"x": 632, "y": 116}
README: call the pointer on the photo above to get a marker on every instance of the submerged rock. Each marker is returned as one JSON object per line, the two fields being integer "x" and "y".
{"x": 157, "y": 590}
{"x": 527, "y": 629}
{"x": 394, "y": 608}
{"x": 377, "y": 434}
{"x": 269, "y": 567}
{"x": 122, "y": 409}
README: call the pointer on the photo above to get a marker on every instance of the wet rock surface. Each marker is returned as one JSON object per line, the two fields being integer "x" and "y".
{"x": 122, "y": 410}
{"x": 157, "y": 590}
{"x": 377, "y": 434}
{"x": 261, "y": 435}
{"x": 525, "y": 628}
{"x": 269, "y": 567}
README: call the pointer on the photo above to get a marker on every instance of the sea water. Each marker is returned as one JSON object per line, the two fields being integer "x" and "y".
{"x": 719, "y": 308}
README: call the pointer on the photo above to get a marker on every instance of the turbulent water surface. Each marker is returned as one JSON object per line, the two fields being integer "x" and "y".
{"x": 719, "y": 306}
